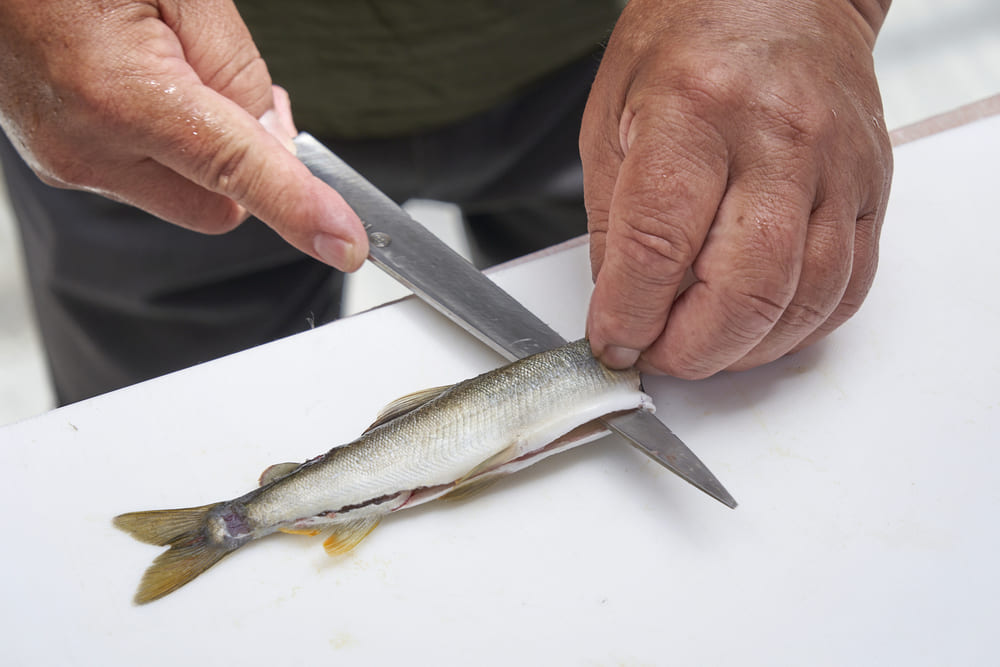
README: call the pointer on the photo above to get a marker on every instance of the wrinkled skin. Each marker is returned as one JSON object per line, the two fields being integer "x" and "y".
{"x": 156, "y": 104}
{"x": 739, "y": 145}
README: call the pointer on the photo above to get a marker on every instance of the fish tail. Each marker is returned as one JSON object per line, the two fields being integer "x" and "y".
{"x": 191, "y": 551}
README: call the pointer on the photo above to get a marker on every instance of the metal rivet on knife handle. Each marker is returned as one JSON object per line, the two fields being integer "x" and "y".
{"x": 379, "y": 239}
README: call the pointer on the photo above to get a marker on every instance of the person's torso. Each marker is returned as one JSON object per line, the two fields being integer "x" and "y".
{"x": 393, "y": 67}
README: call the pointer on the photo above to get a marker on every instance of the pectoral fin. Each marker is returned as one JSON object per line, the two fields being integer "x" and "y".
{"x": 468, "y": 489}
{"x": 494, "y": 461}
{"x": 511, "y": 460}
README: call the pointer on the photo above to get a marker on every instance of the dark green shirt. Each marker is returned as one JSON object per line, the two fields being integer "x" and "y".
{"x": 391, "y": 67}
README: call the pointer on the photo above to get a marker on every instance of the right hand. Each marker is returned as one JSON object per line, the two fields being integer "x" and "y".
{"x": 166, "y": 106}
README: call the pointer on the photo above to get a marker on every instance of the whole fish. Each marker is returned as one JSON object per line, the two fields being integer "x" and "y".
{"x": 441, "y": 441}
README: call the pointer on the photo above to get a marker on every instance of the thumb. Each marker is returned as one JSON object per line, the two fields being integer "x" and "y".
{"x": 238, "y": 157}
{"x": 206, "y": 130}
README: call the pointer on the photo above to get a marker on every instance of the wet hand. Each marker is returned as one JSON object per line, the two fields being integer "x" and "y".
{"x": 736, "y": 171}
{"x": 166, "y": 106}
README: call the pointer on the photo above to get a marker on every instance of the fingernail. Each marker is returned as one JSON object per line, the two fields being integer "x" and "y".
{"x": 272, "y": 123}
{"x": 615, "y": 356}
{"x": 336, "y": 251}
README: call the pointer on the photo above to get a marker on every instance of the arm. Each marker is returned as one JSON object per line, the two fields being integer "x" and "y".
{"x": 738, "y": 147}
{"x": 166, "y": 106}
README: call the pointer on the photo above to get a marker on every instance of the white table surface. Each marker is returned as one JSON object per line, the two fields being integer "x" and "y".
{"x": 866, "y": 470}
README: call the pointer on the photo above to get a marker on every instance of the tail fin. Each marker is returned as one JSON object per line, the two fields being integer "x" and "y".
{"x": 190, "y": 552}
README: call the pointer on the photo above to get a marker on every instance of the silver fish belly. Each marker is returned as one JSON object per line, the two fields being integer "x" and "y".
{"x": 443, "y": 441}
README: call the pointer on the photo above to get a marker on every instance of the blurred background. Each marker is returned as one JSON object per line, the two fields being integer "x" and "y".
{"x": 931, "y": 57}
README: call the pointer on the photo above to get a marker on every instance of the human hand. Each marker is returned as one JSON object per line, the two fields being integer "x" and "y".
{"x": 741, "y": 143}
{"x": 166, "y": 106}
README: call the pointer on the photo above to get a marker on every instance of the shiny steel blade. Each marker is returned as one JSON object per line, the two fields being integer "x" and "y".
{"x": 652, "y": 437}
{"x": 408, "y": 252}
{"x": 415, "y": 257}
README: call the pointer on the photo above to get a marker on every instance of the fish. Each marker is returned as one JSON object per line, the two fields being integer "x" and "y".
{"x": 441, "y": 442}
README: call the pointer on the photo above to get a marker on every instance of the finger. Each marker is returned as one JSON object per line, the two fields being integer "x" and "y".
{"x": 218, "y": 46}
{"x": 874, "y": 186}
{"x": 163, "y": 192}
{"x": 210, "y": 134}
{"x": 278, "y": 120}
{"x": 864, "y": 263}
{"x": 283, "y": 113}
{"x": 221, "y": 148}
{"x": 826, "y": 270}
{"x": 662, "y": 203}
{"x": 747, "y": 271}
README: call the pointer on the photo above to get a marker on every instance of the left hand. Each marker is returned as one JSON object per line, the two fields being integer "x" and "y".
{"x": 741, "y": 143}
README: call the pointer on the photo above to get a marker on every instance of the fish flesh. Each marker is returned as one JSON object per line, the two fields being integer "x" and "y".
{"x": 445, "y": 441}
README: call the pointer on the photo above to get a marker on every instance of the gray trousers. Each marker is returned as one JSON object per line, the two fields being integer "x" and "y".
{"x": 121, "y": 296}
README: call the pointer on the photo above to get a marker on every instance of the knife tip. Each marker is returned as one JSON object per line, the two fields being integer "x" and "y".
{"x": 719, "y": 492}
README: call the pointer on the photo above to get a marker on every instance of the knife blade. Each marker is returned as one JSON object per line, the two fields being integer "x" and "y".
{"x": 418, "y": 259}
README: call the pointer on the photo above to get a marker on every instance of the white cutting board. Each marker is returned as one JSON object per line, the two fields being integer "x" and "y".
{"x": 866, "y": 470}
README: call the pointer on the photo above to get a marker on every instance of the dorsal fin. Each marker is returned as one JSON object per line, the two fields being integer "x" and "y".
{"x": 272, "y": 473}
{"x": 407, "y": 403}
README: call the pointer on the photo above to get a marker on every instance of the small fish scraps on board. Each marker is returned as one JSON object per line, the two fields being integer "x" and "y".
{"x": 438, "y": 442}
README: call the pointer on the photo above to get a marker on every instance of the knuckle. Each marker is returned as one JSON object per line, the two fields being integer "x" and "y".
{"x": 596, "y": 144}
{"x": 804, "y": 317}
{"x": 598, "y": 214}
{"x": 677, "y": 360}
{"x": 225, "y": 171}
{"x": 796, "y": 118}
{"x": 850, "y": 304}
{"x": 715, "y": 85}
{"x": 636, "y": 321}
{"x": 690, "y": 368}
{"x": 749, "y": 315}
{"x": 708, "y": 81}
{"x": 597, "y": 246}
{"x": 757, "y": 309}
{"x": 689, "y": 359}
{"x": 225, "y": 220}
{"x": 244, "y": 79}
{"x": 651, "y": 240}
{"x": 817, "y": 297}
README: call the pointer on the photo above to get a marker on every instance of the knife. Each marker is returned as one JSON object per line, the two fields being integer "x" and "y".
{"x": 415, "y": 257}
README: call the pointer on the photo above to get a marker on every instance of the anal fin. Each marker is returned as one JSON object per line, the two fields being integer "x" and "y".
{"x": 348, "y": 535}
